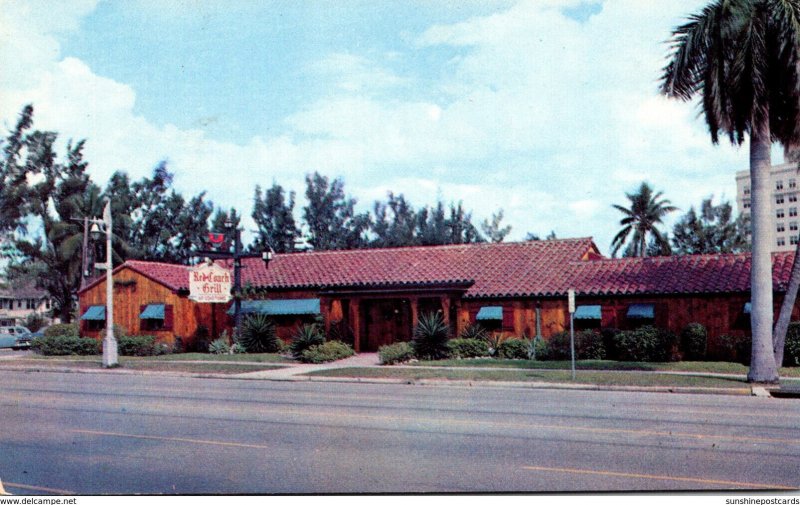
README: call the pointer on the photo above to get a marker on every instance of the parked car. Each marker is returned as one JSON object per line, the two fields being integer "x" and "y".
{"x": 15, "y": 337}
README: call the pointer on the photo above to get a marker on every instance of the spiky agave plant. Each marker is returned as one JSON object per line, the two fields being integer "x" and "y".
{"x": 306, "y": 336}
{"x": 430, "y": 337}
{"x": 258, "y": 334}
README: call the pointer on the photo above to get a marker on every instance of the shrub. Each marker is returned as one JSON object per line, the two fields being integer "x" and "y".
{"x": 431, "y": 336}
{"x": 143, "y": 345}
{"x": 513, "y": 348}
{"x": 736, "y": 348}
{"x": 258, "y": 334}
{"x": 64, "y": 345}
{"x": 219, "y": 346}
{"x": 589, "y": 345}
{"x": 468, "y": 348}
{"x": 62, "y": 330}
{"x": 694, "y": 339}
{"x": 328, "y": 351}
{"x": 558, "y": 347}
{"x": 537, "y": 349}
{"x": 395, "y": 353}
{"x": 305, "y": 337}
{"x": 791, "y": 350}
{"x": 646, "y": 344}
{"x": 494, "y": 340}
{"x": 474, "y": 331}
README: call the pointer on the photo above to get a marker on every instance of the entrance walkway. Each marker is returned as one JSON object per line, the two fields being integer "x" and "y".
{"x": 364, "y": 359}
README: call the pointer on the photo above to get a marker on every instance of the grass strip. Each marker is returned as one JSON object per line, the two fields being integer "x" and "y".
{"x": 603, "y": 378}
{"x": 604, "y": 365}
{"x": 129, "y": 363}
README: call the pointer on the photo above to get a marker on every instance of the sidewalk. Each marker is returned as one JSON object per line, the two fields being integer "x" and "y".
{"x": 292, "y": 371}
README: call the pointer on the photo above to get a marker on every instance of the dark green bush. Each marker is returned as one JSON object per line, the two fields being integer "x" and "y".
{"x": 431, "y": 336}
{"x": 734, "y": 348}
{"x": 468, "y": 348}
{"x": 646, "y": 344}
{"x": 791, "y": 351}
{"x": 514, "y": 348}
{"x": 473, "y": 331}
{"x": 65, "y": 345}
{"x": 589, "y": 345}
{"x": 328, "y": 351}
{"x": 62, "y": 330}
{"x": 137, "y": 345}
{"x": 305, "y": 337}
{"x": 558, "y": 347}
{"x": 395, "y": 353}
{"x": 694, "y": 339}
{"x": 258, "y": 334}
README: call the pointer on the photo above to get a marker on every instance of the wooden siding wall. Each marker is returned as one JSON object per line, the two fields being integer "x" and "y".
{"x": 132, "y": 290}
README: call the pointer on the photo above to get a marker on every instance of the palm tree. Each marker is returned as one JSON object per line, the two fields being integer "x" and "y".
{"x": 645, "y": 212}
{"x": 742, "y": 57}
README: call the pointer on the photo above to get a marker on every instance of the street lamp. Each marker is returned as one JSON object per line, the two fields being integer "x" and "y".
{"x": 100, "y": 227}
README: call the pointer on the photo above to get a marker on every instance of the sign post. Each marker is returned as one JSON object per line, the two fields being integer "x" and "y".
{"x": 571, "y": 306}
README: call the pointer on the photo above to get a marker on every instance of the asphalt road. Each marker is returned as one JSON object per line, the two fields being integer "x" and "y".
{"x": 122, "y": 434}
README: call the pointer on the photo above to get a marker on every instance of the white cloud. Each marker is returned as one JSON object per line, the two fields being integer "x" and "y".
{"x": 546, "y": 117}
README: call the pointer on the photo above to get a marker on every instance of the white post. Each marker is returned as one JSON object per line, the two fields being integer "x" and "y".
{"x": 571, "y": 308}
{"x": 110, "y": 356}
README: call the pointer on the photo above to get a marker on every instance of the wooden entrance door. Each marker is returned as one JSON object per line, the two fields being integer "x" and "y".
{"x": 387, "y": 321}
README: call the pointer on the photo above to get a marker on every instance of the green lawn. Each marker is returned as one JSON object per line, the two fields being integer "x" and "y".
{"x": 680, "y": 366}
{"x": 605, "y": 378}
{"x": 134, "y": 363}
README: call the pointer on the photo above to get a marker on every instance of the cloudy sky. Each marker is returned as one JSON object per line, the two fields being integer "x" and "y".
{"x": 548, "y": 109}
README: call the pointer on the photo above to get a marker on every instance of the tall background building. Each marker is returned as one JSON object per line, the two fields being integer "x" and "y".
{"x": 783, "y": 180}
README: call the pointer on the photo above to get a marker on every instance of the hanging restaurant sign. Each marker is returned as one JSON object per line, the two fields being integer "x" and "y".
{"x": 210, "y": 283}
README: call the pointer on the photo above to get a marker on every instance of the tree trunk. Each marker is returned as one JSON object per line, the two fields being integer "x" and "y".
{"x": 762, "y": 361}
{"x": 782, "y": 325}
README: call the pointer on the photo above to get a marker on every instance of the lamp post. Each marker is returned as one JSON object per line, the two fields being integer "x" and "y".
{"x": 100, "y": 226}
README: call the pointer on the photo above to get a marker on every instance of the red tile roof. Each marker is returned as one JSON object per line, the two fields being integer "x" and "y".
{"x": 506, "y": 269}
{"x": 710, "y": 273}
{"x": 521, "y": 269}
{"x": 175, "y": 277}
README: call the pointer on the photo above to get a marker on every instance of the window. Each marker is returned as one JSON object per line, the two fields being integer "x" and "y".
{"x": 779, "y": 213}
{"x": 792, "y": 211}
{"x": 746, "y": 204}
{"x": 780, "y": 228}
{"x": 778, "y": 185}
{"x": 747, "y": 191}
{"x": 781, "y": 241}
{"x": 793, "y": 197}
{"x": 793, "y": 239}
{"x": 793, "y": 226}
{"x": 792, "y": 183}
{"x": 779, "y": 199}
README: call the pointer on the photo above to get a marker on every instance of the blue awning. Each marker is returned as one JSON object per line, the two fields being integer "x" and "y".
{"x": 588, "y": 312}
{"x": 490, "y": 314}
{"x": 642, "y": 311}
{"x": 301, "y": 307}
{"x": 748, "y": 307}
{"x": 95, "y": 313}
{"x": 153, "y": 311}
